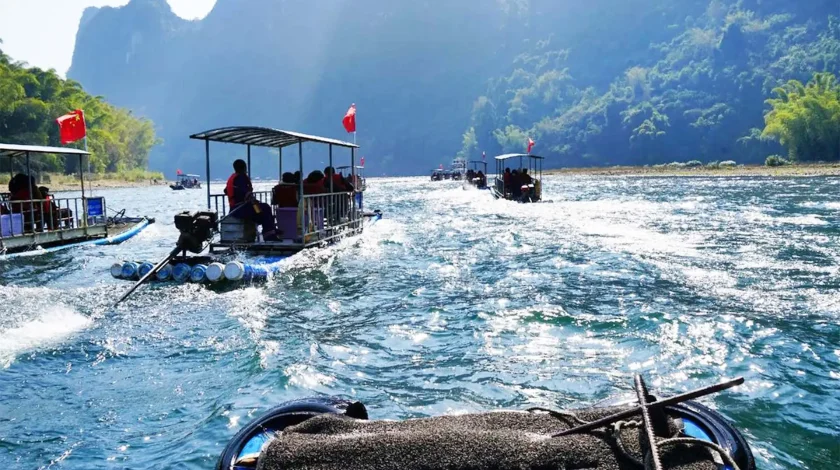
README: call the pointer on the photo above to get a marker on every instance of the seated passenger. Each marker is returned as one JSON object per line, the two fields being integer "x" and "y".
{"x": 52, "y": 214}
{"x": 338, "y": 185}
{"x": 240, "y": 195}
{"x": 285, "y": 194}
{"x": 314, "y": 183}
{"x": 507, "y": 180}
{"x": 515, "y": 186}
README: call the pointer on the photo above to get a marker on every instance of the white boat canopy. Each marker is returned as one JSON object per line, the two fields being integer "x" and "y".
{"x": 265, "y": 137}
{"x": 14, "y": 150}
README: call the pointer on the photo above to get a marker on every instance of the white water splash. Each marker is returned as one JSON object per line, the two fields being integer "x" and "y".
{"x": 48, "y": 329}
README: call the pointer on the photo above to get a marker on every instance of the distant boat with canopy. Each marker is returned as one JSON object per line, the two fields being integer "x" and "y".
{"x": 524, "y": 183}
{"x": 186, "y": 181}
{"x": 32, "y": 222}
{"x": 212, "y": 243}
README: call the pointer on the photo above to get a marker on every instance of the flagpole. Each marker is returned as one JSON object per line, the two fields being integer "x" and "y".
{"x": 88, "y": 158}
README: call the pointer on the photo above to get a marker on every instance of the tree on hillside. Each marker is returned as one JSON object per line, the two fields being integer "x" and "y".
{"x": 806, "y": 118}
{"x": 30, "y": 101}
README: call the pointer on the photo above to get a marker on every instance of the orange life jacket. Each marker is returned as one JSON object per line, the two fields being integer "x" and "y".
{"x": 229, "y": 189}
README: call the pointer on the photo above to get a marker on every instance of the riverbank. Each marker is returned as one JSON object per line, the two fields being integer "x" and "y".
{"x": 130, "y": 179}
{"x": 102, "y": 184}
{"x": 827, "y": 169}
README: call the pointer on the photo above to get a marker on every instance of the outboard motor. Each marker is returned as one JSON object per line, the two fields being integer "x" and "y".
{"x": 196, "y": 229}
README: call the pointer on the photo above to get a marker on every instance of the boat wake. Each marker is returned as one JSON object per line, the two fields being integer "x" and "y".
{"x": 48, "y": 329}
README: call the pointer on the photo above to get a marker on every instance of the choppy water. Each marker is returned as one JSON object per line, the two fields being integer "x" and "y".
{"x": 455, "y": 302}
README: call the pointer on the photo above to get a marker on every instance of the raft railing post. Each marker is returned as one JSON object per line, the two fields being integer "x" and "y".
{"x": 82, "y": 180}
{"x": 331, "y": 202}
{"x": 301, "y": 205}
{"x": 354, "y": 215}
{"x": 207, "y": 165}
{"x": 31, "y": 208}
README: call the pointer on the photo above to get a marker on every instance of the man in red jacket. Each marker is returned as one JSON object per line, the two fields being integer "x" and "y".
{"x": 240, "y": 197}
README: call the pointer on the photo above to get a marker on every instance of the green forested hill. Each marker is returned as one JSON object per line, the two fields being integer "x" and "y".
{"x": 30, "y": 101}
{"x": 594, "y": 83}
{"x": 696, "y": 91}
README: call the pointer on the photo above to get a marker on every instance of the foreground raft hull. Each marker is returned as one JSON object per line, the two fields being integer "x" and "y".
{"x": 251, "y": 447}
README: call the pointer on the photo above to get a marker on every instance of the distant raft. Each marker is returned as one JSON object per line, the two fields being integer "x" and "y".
{"x": 200, "y": 270}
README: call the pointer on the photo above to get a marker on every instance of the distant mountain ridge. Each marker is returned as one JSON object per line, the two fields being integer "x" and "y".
{"x": 596, "y": 82}
{"x": 293, "y": 65}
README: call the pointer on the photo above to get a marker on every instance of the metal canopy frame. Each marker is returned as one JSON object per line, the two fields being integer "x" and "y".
{"x": 271, "y": 138}
{"x": 508, "y": 156}
{"x": 476, "y": 163}
{"x": 275, "y": 138}
{"x": 11, "y": 151}
{"x": 265, "y": 137}
{"x": 14, "y": 150}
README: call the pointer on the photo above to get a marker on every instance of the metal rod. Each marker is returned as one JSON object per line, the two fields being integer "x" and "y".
{"x": 331, "y": 167}
{"x": 31, "y": 196}
{"x": 82, "y": 179}
{"x": 301, "y": 205}
{"x": 353, "y": 178}
{"x": 249, "y": 159}
{"x": 207, "y": 164}
{"x": 280, "y": 174}
{"x": 641, "y": 393}
{"x": 700, "y": 392}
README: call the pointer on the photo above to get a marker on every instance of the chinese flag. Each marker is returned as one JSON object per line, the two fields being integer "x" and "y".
{"x": 71, "y": 127}
{"x": 362, "y": 161}
{"x": 179, "y": 172}
{"x": 350, "y": 119}
{"x": 531, "y": 144}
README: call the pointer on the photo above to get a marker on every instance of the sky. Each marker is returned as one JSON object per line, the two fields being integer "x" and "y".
{"x": 43, "y": 32}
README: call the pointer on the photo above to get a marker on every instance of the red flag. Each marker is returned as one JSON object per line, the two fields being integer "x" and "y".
{"x": 362, "y": 161}
{"x": 350, "y": 119}
{"x": 71, "y": 127}
{"x": 179, "y": 172}
{"x": 531, "y": 144}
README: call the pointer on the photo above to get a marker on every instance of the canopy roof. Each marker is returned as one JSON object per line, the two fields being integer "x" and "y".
{"x": 264, "y": 137}
{"x": 188, "y": 175}
{"x": 518, "y": 155}
{"x": 478, "y": 161}
{"x": 13, "y": 150}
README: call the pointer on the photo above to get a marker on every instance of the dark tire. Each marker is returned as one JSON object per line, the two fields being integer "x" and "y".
{"x": 724, "y": 434}
{"x": 287, "y": 414}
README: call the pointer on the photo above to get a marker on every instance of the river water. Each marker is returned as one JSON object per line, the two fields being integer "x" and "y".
{"x": 454, "y": 302}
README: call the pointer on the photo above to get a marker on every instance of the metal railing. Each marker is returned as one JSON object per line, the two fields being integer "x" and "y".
{"x": 500, "y": 186}
{"x": 329, "y": 216}
{"x": 26, "y": 217}
{"x": 317, "y": 218}
{"x": 220, "y": 204}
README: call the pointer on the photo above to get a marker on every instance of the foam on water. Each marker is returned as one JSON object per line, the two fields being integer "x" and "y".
{"x": 43, "y": 331}
{"x": 453, "y": 302}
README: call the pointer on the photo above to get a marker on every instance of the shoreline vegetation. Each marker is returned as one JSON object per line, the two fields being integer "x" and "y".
{"x": 128, "y": 179}
{"x": 795, "y": 170}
